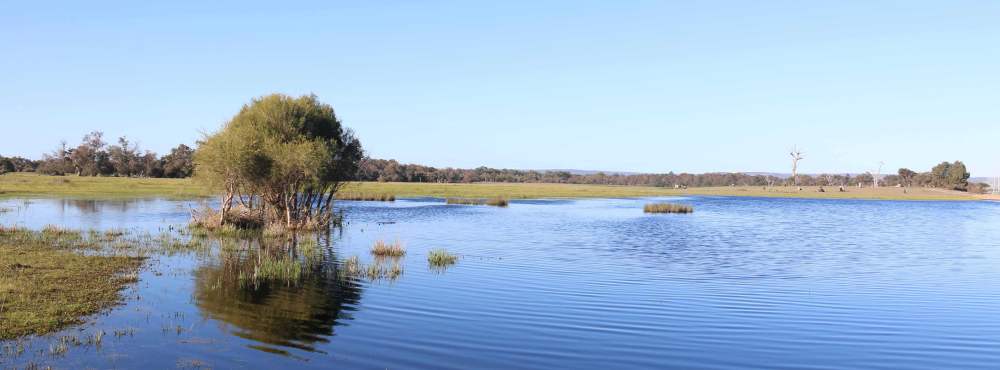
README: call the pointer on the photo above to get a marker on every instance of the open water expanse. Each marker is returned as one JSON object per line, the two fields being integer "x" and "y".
{"x": 572, "y": 284}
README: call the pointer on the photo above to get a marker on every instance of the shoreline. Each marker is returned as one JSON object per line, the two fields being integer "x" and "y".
{"x": 29, "y": 185}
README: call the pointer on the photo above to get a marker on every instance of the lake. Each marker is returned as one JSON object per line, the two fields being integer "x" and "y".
{"x": 580, "y": 284}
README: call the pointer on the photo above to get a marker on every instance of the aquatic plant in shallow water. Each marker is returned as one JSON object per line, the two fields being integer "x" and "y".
{"x": 371, "y": 197}
{"x": 495, "y": 201}
{"x": 441, "y": 258}
{"x": 384, "y": 249}
{"x": 50, "y": 279}
{"x": 667, "y": 208}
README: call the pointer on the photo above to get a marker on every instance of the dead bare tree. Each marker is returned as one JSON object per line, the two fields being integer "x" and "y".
{"x": 878, "y": 174}
{"x": 796, "y": 157}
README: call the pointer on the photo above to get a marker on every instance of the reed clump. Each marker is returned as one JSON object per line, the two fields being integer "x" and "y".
{"x": 495, "y": 201}
{"x": 667, "y": 208}
{"x": 385, "y": 249}
{"x": 282, "y": 269}
{"x": 381, "y": 269}
{"x": 441, "y": 258}
{"x": 370, "y": 197}
{"x": 466, "y": 201}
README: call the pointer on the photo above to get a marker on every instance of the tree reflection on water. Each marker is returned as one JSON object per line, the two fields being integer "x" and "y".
{"x": 294, "y": 305}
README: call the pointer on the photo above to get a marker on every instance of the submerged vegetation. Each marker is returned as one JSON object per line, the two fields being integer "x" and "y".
{"x": 667, "y": 208}
{"x": 47, "y": 282}
{"x": 495, "y": 201}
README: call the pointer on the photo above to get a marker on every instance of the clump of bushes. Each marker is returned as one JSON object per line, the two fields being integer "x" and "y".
{"x": 441, "y": 258}
{"x": 284, "y": 158}
{"x": 384, "y": 249}
{"x": 495, "y": 201}
{"x": 667, "y": 208}
{"x": 371, "y": 197}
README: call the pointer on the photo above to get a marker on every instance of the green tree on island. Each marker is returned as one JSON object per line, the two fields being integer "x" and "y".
{"x": 282, "y": 159}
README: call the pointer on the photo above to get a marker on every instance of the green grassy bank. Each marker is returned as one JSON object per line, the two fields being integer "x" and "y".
{"x": 32, "y": 185}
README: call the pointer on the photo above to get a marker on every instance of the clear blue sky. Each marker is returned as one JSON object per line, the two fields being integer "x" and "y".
{"x": 614, "y": 85}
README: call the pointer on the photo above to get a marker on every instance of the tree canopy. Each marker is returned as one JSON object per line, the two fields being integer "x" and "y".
{"x": 281, "y": 156}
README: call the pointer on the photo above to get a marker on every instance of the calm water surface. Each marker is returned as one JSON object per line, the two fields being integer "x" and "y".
{"x": 741, "y": 283}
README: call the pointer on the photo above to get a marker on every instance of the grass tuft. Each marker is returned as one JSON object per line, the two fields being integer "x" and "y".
{"x": 667, "y": 208}
{"x": 384, "y": 249}
{"x": 441, "y": 258}
{"x": 495, "y": 201}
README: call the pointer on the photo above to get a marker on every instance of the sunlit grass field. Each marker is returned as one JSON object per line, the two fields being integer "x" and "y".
{"x": 33, "y": 185}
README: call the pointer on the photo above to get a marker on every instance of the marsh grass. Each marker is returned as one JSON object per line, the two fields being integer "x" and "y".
{"x": 383, "y": 268}
{"x": 441, "y": 258}
{"x": 497, "y": 202}
{"x": 466, "y": 201}
{"x": 352, "y": 266}
{"x": 47, "y": 282}
{"x": 55, "y": 277}
{"x": 53, "y": 231}
{"x": 227, "y": 232}
{"x": 282, "y": 269}
{"x": 371, "y": 197}
{"x": 667, "y": 208}
{"x": 384, "y": 249}
{"x": 494, "y": 201}
{"x": 238, "y": 217}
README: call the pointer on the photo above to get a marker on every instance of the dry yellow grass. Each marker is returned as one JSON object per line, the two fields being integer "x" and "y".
{"x": 385, "y": 249}
{"x": 667, "y": 208}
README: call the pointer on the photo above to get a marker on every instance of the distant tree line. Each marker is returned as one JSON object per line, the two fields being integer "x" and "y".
{"x": 94, "y": 157}
{"x": 945, "y": 175}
